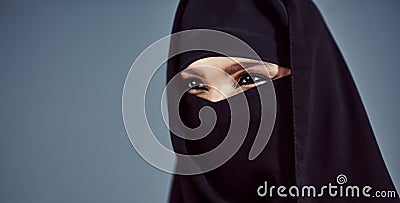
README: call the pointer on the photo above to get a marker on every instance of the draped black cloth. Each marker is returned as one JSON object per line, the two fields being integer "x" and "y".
{"x": 321, "y": 128}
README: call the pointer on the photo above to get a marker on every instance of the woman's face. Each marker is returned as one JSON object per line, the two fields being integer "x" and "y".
{"x": 217, "y": 78}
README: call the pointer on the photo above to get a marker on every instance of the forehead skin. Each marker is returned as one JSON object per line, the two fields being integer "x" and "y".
{"x": 223, "y": 63}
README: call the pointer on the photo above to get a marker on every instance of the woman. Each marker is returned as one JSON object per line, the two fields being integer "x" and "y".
{"x": 321, "y": 130}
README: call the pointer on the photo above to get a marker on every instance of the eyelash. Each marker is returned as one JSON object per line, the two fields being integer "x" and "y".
{"x": 201, "y": 86}
{"x": 255, "y": 79}
{"x": 193, "y": 86}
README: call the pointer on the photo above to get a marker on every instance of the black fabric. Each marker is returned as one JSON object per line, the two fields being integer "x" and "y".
{"x": 238, "y": 179}
{"x": 264, "y": 30}
{"x": 321, "y": 127}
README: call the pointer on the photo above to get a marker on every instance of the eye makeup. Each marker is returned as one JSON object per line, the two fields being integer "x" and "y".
{"x": 198, "y": 82}
{"x": 216, "y": 78}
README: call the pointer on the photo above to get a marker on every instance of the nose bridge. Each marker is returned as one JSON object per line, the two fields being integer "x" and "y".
{"x": 216, "y": 95}
{"x": 222, "y": 91}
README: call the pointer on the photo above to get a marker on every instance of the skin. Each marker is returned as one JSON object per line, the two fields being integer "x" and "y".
{"x": 217, "y": 78}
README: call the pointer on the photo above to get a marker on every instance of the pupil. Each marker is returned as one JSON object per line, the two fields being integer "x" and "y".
{"x": 192, "y": 84}
{"x": 196, "y": 84}
{"x": 246, "y": 80}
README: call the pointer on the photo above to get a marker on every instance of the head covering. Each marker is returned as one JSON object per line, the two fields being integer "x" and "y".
{"x": 321, "y": 129}
{"x": 265, "y": 31}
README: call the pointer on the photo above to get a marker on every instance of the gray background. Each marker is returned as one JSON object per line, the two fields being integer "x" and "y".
{"x": 62, "y": 70}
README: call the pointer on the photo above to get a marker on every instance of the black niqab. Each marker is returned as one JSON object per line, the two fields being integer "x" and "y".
{"x": 321, "y": 127}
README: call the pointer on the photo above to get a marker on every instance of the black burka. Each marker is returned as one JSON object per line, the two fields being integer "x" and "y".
{"x": 321, "y": 127}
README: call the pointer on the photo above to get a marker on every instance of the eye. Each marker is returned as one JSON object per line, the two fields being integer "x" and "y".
{"x": 251, "y": 79}
{"x": 196, "y": 85}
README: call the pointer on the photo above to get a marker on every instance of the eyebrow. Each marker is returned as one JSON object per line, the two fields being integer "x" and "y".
{"x": 195, "y": 72}
{"x": 231, "y": 69}
{"x": 240, "y": 66}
